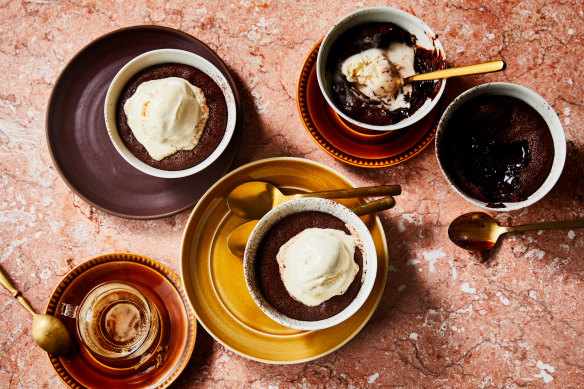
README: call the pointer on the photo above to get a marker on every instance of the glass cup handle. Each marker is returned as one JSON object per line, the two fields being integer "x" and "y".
{"x": 68, "y": 310}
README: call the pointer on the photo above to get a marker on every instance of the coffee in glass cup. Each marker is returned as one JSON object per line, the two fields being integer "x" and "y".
{"x": 115, "y": 321}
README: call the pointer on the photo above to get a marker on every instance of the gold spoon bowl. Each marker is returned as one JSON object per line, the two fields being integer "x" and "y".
{"x": 48, "y": 331}
{"x": 478, "y": 231}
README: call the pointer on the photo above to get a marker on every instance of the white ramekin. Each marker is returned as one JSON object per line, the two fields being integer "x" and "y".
{"x": 149, "y": 59}
{"x": 541, "y": 106}
{"x": 426, "y": 38}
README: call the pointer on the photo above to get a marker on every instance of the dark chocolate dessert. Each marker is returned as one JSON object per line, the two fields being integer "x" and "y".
{"x": 496, "y": 149}
{"x": 214, "y": 129}
{"x": 379, "y": 35}
{"x": 268, "y": 273}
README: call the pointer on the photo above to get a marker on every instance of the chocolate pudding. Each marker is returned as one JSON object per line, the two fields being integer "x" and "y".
{"x": 214, "y": 129}
{"x": 363, "y": 107}
{"x": 267, "y": 270}
{"x": 496, "y": 149}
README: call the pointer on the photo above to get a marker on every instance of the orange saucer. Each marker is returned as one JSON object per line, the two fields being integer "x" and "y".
{"x": 352, "y": 144}
{"x": 78, "y": 369}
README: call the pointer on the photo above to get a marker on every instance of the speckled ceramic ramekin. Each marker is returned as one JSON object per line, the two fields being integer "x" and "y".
{"x": 302, "y": 205}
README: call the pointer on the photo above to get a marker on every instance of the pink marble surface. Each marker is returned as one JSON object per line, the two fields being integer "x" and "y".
{"x": 446, "y": 319}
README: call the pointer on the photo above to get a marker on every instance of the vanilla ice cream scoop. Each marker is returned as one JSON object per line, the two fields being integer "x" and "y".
{"x": 167, "y": 115}
{"x": 317, "y": 264}
{"x": 373, "y": 73}
{"x": 378, "y": 74}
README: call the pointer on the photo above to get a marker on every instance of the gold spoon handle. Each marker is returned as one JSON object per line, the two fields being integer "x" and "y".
{"x": 374, "y": 206}
{"x": 548, "y": 226}
{"x": 487, "y": 67}
{"x": 381, "y": 190}
{"x": 238, "y": 238}
{"x": 5, "y": 281}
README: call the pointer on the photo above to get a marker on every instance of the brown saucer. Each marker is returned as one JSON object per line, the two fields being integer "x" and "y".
{"x": 79, "y": 143}
{"x": 352, "y": 144}
{"x": 78, "y": 369}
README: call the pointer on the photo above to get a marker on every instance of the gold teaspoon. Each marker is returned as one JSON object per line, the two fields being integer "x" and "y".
{"x": 237, "y": 239}
{"x": 478, "y": 231}
{"x": 47, "y": 331}
{"x": 480, "y": 68}
{"x": 254, "y": 199}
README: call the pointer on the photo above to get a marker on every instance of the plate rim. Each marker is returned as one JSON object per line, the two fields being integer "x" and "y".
{"x": 183, "y": 267}
{"x": 235, "y": 140}
{"x": 60, "y": 368}
{"x": 303, "y": 111}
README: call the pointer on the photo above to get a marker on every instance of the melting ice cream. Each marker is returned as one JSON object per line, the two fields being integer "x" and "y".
{"x": 167, "y": 115}
{"x": 318, "y": 264}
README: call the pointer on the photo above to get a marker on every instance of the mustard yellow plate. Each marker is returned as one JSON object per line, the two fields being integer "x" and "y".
{"x": 213, "y": 277}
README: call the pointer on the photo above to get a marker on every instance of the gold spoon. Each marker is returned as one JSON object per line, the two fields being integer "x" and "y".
{"x": 478, "y": 231}
{"x": 47, "y": 331}
{"x": 479, "y": 68}
{"x": 237, "y": 239}
{"x": 254, "y": 199}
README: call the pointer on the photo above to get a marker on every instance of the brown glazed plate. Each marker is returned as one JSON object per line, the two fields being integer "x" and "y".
{"x": 79, "y": 143}
{"x": 352, "y": 144}
{"x": 78, "y": 369}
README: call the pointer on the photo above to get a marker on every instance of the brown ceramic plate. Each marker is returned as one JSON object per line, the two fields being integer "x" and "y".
{"x": 352, "y": 144}
{"x": 79, "y": 143}
{"x": 213, "y": 277}
{"x": 77, "y": 369}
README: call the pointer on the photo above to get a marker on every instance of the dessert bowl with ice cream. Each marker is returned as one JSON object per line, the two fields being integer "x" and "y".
{"x": 310, "y": 263}
{"x": 364, "y": 58}
{"x": 170, "y": 113}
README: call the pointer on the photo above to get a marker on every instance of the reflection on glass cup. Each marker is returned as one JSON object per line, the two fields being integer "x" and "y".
{"x": 115, "y": 321}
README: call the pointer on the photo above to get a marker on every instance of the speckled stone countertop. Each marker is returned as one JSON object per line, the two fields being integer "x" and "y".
{"x": 446, "y": 318}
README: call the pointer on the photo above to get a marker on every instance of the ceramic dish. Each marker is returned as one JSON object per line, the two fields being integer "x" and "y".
{"x": 547, "y": 113}
{"x": 330, "y": 207}
{"x": 79, "y": 143}
{"x": 214, "y": 280}
{"x": 425, "y": 38}
{"x": 78, "y": 370}
{"x": 157, "y": 57}
{"x": 349, "y": 143}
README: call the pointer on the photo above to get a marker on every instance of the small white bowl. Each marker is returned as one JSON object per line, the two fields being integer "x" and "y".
{"x": 149, "y": 59}
{"x": 536, "y": 102}
{"x": 302, "y": 205}
{"x": 426, "y": 39}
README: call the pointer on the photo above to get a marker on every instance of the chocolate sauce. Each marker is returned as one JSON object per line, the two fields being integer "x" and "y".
{"x": 496, "y": 149}
{"x": 379, "y": 35}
